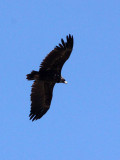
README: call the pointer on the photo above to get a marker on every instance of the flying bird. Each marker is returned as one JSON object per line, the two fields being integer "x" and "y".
{"x": 48, "y": 75}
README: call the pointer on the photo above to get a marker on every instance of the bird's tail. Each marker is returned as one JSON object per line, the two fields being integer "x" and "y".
{"x": 32, "y": 76}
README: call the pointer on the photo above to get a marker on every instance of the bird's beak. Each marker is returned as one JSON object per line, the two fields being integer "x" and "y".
{"x": 65, "y": 82}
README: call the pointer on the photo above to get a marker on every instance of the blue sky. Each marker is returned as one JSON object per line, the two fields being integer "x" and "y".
{"x": 83, "y": 122}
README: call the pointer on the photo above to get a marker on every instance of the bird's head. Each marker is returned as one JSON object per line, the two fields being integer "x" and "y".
{"x": 62, "y": 80}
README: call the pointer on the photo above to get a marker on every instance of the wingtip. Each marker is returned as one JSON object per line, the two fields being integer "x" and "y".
{"x": 69, "y": 36}
{"x": 64, "y": 44}
{"x": 32, "y": 117}
{"x": 70, "y": 41}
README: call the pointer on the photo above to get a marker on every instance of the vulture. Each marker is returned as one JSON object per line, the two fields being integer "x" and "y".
{"x": 48, "y": 75}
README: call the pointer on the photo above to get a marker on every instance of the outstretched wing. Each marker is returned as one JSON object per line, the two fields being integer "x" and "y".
{"x": 57, "y": 57}
{"x": 41, "y": 96}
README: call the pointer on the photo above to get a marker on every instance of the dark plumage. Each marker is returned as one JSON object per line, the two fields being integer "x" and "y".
{"x": 45, "y": 79}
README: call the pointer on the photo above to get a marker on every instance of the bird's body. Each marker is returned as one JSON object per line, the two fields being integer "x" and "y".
{"x": 48, "y": 75}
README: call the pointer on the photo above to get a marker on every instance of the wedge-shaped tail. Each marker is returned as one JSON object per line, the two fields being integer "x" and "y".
{"x": 32, "y": 75}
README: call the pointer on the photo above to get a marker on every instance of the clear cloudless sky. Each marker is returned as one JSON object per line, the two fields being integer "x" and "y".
{"x": 83, "y": 122}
